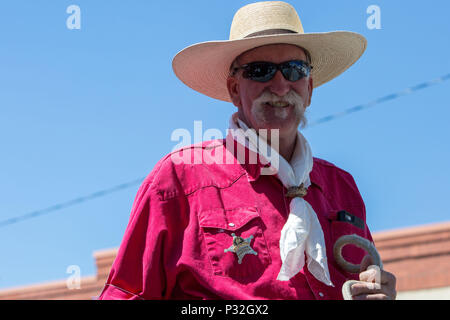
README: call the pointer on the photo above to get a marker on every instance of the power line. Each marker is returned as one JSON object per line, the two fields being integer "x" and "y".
{"x": 70, "y": 203}
{"x": 388, "y": 97}
{"x": 122, "y": 186}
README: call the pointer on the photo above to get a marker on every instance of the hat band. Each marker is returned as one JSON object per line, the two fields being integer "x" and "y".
{"x": 269, "y": 32}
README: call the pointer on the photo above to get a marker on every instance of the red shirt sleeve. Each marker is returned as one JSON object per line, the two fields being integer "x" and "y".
{"x": 137, "y": 270}
{"x": 145, "y": 265}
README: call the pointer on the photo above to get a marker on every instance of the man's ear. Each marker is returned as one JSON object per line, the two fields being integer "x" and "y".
{"x": 310, "y": 90}
{"x": 233, "y": 91}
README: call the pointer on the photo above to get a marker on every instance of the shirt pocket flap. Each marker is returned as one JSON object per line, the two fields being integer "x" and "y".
{"x": 346, "y": 222}
{"x": 230, "y": 219}
{"x": 345, "y": 216}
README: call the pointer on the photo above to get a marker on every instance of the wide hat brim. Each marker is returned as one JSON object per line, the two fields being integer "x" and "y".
{"x": 204, "y": 66}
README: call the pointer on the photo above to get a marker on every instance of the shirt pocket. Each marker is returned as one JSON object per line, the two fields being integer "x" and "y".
{"x": 248, "y": 262}
{"x": 346, "y": 221}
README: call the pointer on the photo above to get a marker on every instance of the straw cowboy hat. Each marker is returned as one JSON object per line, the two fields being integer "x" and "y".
{"x": 205, "y": 66}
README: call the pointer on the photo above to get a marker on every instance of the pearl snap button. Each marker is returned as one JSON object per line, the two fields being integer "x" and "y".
{"x": 321, "y": 294}
{"x": 231, "y": 224}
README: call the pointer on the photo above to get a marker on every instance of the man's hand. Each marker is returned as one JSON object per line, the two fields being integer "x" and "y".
{"x": 378, "y": 284}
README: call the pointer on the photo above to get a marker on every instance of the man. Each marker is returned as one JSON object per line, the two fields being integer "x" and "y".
{"x": 261, "y": 229}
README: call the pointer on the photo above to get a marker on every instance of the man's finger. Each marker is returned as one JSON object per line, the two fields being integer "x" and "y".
{"x": 372, "y": 274}
{"x": 375, "y": 274}
{"x": 376, "y": 296}
{"x": 365, "y": 288}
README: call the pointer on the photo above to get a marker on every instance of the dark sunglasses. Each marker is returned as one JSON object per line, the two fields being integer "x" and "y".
{"x": 263, "y": 71}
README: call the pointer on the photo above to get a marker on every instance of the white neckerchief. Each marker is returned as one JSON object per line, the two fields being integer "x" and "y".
{"x": 302, "y": 231}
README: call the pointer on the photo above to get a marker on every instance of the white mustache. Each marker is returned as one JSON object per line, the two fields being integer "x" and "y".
{"x": 292, "y": 98}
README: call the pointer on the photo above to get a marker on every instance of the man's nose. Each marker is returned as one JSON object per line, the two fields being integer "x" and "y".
{"x": 279, "y": 85}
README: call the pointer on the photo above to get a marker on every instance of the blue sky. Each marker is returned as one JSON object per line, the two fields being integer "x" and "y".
{"x": 84, "y": 110}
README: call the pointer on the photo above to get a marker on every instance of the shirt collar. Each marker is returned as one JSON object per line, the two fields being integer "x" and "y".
{"x": 254, "y": 172}
{"x": 253, "y": 165}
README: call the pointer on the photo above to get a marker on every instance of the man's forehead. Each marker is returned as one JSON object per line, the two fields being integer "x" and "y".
{"x": 273, "y": 52}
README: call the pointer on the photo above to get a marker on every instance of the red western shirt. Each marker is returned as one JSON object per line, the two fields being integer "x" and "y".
{"x": 184, "y": 215}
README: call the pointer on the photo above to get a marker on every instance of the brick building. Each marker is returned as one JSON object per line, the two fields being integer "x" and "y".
{"x": 418, "y": 256}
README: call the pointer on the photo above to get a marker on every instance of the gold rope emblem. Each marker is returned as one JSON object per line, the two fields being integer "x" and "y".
{"x": 293, "y": 192}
